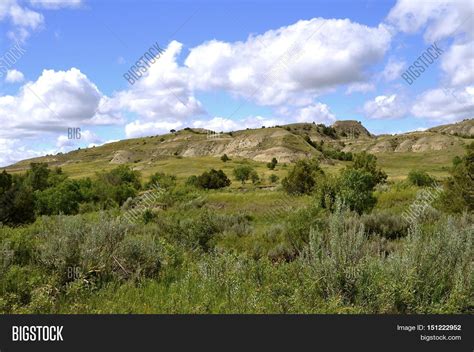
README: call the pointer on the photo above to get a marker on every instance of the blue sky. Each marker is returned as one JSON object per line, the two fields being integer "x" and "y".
{"x": 226, "y": 65}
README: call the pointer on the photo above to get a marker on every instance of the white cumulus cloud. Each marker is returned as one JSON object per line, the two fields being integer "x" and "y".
{"x": 14, "y": 76}
{"x": 385, "y": 107}
{"x": 445, "y": 105}
{"x": 290, "y": 65}
{"x": 55, "y": 101}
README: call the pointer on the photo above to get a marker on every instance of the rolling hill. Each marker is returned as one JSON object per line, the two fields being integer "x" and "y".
{"x": 431, "y": 150}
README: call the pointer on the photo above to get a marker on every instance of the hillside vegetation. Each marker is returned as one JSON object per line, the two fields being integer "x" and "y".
{"x": 189, "y": 151}
{"x": 232, "y": 235}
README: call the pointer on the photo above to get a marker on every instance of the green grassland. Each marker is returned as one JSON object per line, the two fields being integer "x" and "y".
{"x": 245, "y": 248}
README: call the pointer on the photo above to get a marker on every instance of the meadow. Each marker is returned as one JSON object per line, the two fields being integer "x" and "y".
{"x": 249, "y": 247}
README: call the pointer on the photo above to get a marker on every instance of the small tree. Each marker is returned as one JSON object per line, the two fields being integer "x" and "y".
{"x": 212, "y": 179}
{"x": 302, "y": 178}
{"x": 368, "y": 162}
{"x": 419, "y": 178}
{"x": 162, "y": 180}
{"x": 192, "y": 181}
{"x": 271, "y": 165}
{"x": 5, "y": 182}
{"x": 459, "y": 187}
{"x": 254, "y": 177}
{"x": 225, "y": 158}
{"x": 327, "y": 192}
{"x": 356, "y": 189}
{"x": 242, "y": 173}
{"x": 273, "y": 178}
{"x": 63, "y": 198}
{"x": 37, "y": 176}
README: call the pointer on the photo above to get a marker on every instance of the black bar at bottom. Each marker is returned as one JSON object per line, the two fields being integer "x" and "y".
{"x": 243, "y": 332}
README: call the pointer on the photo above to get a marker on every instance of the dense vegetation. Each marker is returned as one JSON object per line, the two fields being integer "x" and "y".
{"x": 319, "y": 243}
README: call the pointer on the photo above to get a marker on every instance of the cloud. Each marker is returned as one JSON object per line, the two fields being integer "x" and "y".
{"x": 360, "y": 87}
{"x": 164, "y": 92}
{"x": 318, "y": 113}
{"x": 292, "y": 64}
{"x": 442, "y": 20}
{"x": 14, "y": 76}
{"x": 285, "y": 67}
{"x": 65, "y": 144}
{"x": 385, "y": 107}
{"x": 55, "y": 4}
{"x": 222, "y": 124}
{"x": 12, "y": 150}
{"x": 23, "y": 19}
{"x": 445, "y": 105}
{"x": 458, "y": 64}
{"x": 140, "y": 129}
{"x": 393, "y": 69}
{"x": 55, "y": 101}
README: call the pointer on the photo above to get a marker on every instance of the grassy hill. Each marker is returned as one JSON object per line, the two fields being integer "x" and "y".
{"x": 245, "y": 248}
{"x": 191, "y": 151}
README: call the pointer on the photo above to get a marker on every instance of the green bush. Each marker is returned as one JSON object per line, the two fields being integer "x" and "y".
{"x": 419, "y": 178}
{"x": 37, "y": 176}
{"x": 116, "y": 186}
{"x": 273, "y": 178}
{"x": 356, "y": 188}
{"x": 271, "y": 165}
{"x": 243, "y": 173}
{"x": 254, "y": 177}
{"x": 338, "y": 255}
{"x": 302, "y": 178}
{"x": 385, "y": 224}
{"x": 161, "y": 180}
{"x": 63, "y": 198}
{"x": 213, "y": 179}
{"x": 368, "y": 162}
{"x": 459, "y": 187}
{"x": 327, "y": 190}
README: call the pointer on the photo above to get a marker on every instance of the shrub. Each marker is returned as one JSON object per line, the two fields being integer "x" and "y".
{"x": 327, "y": 192}
{"x": 356, "y": 190}
{"x": 116, "y": 186}
{"x": 17, "y": 205}
{"x": 5, "y": 182}
{"x": 18, "y": 284}
{"x": 368, "y": 162}
{"x": 243, "y": 173}
{"x": 161, "y": 180}
{"x": 459, "y": 188}
{"x": 419, "y": 178}
{"x": 385, "y": 224}
{"x": 298, "y": 226}
{"x": 273, "y": 178}
{"x": 139, "y": 256}
{"x": 271, "y": 165}
{"x": 63, "y": 198}
{"x": 328, "y": 131}
{"x": 192, "y": 181}
{"x": 225, "y": 158}
{"x": 211, "y": 180}
{"x": 197, "y": 233}
{"x": 37, "y": 176}
{"x": 302, "y": 178}
{"x": 254, "y": 177}
{"x": 337, "y": 256}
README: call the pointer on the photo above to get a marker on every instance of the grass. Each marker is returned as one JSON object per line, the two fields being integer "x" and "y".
{"x": 398, "y": 165}
{"x": 340, "y": 269}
